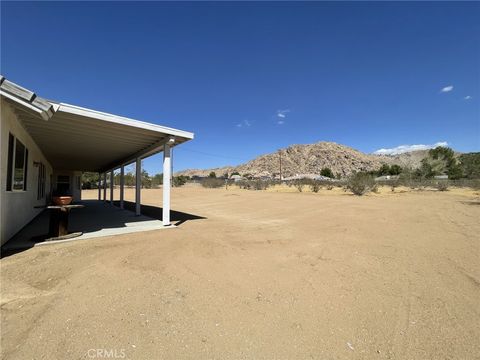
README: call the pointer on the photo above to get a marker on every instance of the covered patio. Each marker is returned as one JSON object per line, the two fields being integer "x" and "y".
{"x": 80, "y": 139}
{"x": 73, "y": 140}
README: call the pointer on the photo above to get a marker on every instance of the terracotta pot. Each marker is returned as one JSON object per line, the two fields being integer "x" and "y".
{"x": 62, "y": 200}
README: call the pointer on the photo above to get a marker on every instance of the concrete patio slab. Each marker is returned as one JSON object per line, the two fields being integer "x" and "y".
{"x": 96, "y": 219}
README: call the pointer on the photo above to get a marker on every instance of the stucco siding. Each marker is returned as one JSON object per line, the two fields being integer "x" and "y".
{"x": 18, "y": 207}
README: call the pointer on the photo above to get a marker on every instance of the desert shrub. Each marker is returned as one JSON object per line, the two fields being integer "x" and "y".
{"x": 315, "y": 186}
{"x": 179, "y": 181}
{"x": 361, "y": 183}
{"x": 299, "y": 184}
{"x": 260, "y": 185}
{"x": 244, "y": 184}
{"x": 212, "y": 183}
{"x": 212, "y": 175}
{"x": 394, "y": 184}
{"x": 442, "y": 185}
{"x": 255, "y": 184}
{"x": 329, "y": 187}
{"x": 475, "y": 184}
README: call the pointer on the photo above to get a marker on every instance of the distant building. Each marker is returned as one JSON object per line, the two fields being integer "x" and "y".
{"x": 236, "y": 177}
{"x": 387, "y": 178}
{"x": 307, "y": 176}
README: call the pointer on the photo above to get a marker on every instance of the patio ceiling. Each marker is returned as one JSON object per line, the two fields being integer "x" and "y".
{"x": 75, "y": 138}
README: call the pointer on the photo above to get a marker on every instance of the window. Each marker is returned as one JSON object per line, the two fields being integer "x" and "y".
{"x": 17, "y": 165}
{"x": 63, "y": 184}
{"x": 42, "y": 174}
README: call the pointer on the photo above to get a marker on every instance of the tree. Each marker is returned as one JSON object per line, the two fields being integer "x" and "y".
{"x": 470, "y": 164}
{"x": 157, "y": 180}
{"x": 327, "y": 173}
{"x": 212, "y": 175}
{"x": 440, "y": 160}
{"x": 89, "y": 180}
{"x": 395, "y": 169}
{"x": 146, "y": 181}
{"x": 384, "y": 170}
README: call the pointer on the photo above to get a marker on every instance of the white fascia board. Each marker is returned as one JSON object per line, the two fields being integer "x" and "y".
{"x": 77, "y": 110}
{"x": 40, "y": 112}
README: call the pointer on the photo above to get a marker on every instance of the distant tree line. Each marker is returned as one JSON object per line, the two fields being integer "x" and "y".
{"x": 439, "y": 161}
{"x": 90, "y": 180}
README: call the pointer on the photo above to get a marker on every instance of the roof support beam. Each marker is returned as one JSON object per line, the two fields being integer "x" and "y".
{"x": 111, "y": 186}
{"x": 167, "y": 169}
{"x": 99, "y": 186}
{"x": 138, "y": 185}
{"x": 122, "y": 185}
{"x": 148, "y": 151}
{"x": 104, "y": 186}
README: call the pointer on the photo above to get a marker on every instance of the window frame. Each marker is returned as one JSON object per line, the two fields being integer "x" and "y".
{"x": 11, "y": 165}
{"x": 41, "y": 181}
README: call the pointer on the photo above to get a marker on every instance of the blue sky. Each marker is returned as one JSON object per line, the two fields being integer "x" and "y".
{"x": 250, "y": 78}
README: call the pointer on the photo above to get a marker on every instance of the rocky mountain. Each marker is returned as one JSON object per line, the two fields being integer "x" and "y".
{"x": 311, "y": 158}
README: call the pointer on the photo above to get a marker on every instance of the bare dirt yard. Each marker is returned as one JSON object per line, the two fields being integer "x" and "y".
{"x": 265, "y": 275}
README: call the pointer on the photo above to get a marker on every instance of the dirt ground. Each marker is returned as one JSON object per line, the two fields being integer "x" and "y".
{"x": 266, "y": 275}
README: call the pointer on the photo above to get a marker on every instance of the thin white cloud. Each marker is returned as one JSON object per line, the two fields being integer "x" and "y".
{"x": 468, "y": 97}
{"x": 282, "y": 113}
{"x": 244, "y": 123}
{"x": 408, "y": 148}
{"x": 280, "y": 122}
{"x": 447, "y": 89}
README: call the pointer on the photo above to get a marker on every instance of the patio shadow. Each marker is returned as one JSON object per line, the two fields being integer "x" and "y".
{"x": 97, "y": 219}
{"x": 177, "y": 217}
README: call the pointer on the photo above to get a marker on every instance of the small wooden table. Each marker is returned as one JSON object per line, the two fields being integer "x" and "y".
{"x": 58, "y": 228}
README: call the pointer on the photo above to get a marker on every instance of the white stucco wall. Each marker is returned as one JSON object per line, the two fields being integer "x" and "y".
{"x": 17, "y": 208}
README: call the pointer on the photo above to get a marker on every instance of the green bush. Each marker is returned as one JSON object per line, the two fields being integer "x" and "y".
{"x": 179, "y": 180}
{"x": 327, "y": 172}
{"x": 361, "y": 183}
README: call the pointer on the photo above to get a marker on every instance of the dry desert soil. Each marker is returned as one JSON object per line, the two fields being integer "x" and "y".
{"x": 263, "y": 275}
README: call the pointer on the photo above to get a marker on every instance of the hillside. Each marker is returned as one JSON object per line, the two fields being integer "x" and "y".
{"x": 311, "y": 158}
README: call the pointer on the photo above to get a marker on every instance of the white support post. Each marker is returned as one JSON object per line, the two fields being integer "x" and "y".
{"x": 122, "y": 184}
{"x": 167, "y": 169}
{"x": 99, "y": 186}
{"x": 138, "y": 185}
{"x": 111, "y": 187}
{"x": 104, "y": 186}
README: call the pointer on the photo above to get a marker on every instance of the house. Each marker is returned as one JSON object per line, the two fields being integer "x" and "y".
{"x": 308, "y": 177}
{"x": 236, "y": 177}
{"x": 46, "y": 145}
{"x": 387, "y": 178}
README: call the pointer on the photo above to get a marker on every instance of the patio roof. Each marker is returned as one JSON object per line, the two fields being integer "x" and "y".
{"x": 77, "y": 138}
